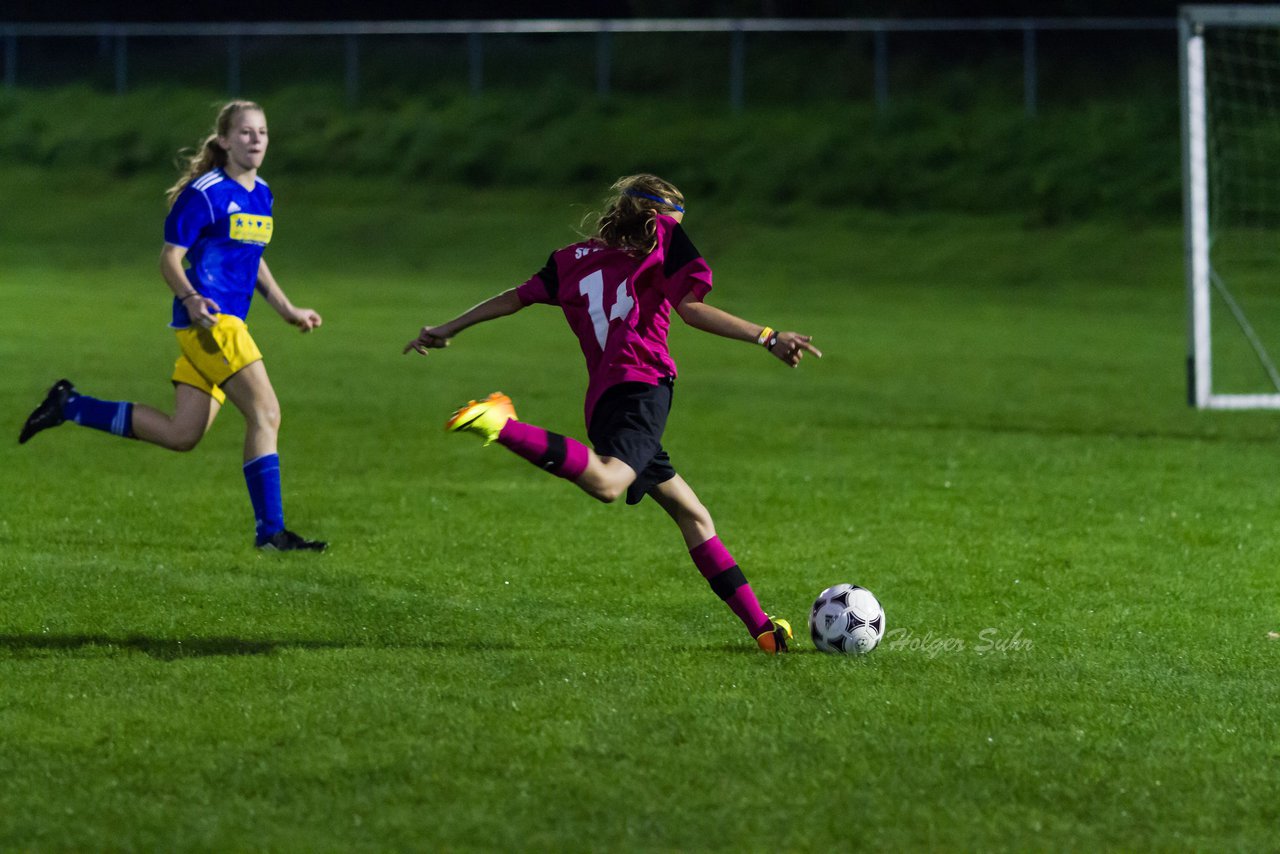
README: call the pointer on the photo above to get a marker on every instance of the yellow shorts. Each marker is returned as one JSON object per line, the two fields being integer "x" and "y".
{"x": 210, "y": 357}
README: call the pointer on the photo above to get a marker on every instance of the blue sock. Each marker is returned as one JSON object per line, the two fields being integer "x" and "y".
{"x": 110, "y": 416}
{"x": 262, "y": 475}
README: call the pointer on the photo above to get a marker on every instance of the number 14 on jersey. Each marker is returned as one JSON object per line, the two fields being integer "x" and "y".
{"x": 592, "y": 287}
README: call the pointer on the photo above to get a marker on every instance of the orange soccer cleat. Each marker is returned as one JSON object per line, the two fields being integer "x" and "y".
{"x": 774, "y": 639}
{"x": 484, "y": 418}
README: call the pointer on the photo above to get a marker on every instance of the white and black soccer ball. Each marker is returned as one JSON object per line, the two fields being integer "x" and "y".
{"x": 846, "y": 619}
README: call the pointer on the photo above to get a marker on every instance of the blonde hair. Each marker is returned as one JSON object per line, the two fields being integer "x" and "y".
{"x": 628, "y": 222}
{"x": 208, "y": 155}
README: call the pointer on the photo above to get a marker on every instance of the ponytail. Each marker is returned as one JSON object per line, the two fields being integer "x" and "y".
{"x": 209, "y": 155}
{"x": 628, "y": 222}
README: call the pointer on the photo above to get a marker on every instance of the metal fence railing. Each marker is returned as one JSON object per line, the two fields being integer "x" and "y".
{"x": 116, "y": 40}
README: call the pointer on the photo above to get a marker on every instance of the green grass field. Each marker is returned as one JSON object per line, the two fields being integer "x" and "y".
{"x": 1078, "y": 571}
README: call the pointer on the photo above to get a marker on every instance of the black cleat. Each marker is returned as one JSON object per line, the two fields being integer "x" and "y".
{"x": 288, "y": 541}
{"x": 49, "y": 413}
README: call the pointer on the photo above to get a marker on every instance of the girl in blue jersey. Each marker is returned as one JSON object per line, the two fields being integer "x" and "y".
{"x": 220, "y": 223}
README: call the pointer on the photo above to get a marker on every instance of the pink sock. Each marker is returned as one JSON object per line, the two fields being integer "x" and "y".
{"x": 560, "y": 455}
{"x": 726, "y": 579}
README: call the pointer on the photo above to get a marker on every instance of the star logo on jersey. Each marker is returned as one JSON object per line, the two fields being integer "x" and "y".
{"x": 251, "y": 229}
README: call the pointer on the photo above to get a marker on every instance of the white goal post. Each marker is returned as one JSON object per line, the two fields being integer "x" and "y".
{"x": 1230, "y": 70}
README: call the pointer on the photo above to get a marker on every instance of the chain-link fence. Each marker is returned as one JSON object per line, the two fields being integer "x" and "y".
{"x": 743, "y": 60}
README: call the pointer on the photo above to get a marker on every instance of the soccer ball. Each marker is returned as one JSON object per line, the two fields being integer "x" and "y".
{"x": 846, "y": 618}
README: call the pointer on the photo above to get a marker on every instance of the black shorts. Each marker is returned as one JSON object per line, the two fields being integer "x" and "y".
{"x": 627, "y": 424}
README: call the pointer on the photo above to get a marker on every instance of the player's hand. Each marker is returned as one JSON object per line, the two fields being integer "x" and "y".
{"x": 430, "y": 338}
{"x": 791, "y": 347}
{"x": 202, "y": 311}
{"x": 305, "y": 319}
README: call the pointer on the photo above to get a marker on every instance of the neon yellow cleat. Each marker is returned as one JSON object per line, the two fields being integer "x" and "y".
{"x": 774, "y": 639}
{"x": 484, "y": 418}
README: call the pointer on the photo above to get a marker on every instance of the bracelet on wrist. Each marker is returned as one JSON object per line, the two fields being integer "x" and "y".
{"x": 765, "y": 336}
{"x": 189, "y": 296}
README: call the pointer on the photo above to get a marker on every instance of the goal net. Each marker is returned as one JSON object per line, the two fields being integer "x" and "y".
{"x": 1231, "y": 177}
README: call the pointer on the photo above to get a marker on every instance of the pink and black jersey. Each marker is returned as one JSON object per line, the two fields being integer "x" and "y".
{"x": 619, "y": 305}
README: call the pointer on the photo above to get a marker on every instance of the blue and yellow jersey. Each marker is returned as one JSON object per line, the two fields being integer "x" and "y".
{"x": 225, "y": 229}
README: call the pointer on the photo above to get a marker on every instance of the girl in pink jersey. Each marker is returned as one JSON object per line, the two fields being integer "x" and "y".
{"x": 617, "y": 290}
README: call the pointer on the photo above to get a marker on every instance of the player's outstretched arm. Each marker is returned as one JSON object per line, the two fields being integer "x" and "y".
{"x": 790, "y": 347}
{"x": 435, "y": 337}
{"x": 305, "y": 319}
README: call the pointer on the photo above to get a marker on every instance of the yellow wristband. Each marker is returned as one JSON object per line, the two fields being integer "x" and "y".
{"x": 763, "y": 338}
